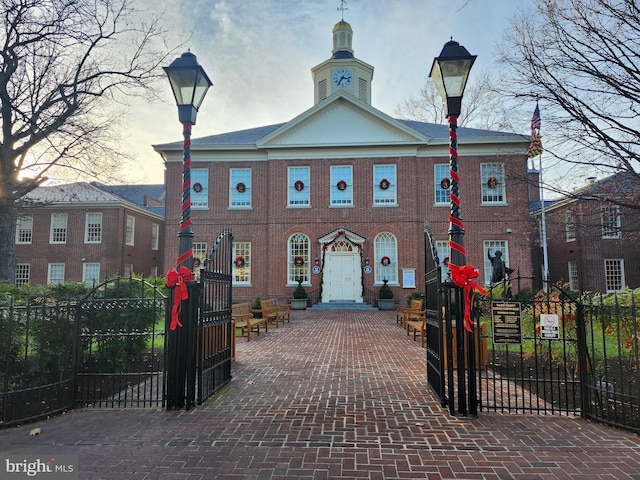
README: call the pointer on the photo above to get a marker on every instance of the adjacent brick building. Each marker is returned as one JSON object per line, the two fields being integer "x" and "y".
{"x": 593, "y": 236}
{"x": 341, "y": 195}
{"x": 88, "y": 232}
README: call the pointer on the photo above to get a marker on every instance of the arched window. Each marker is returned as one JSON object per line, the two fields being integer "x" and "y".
{"x": 298, "y": 262}
{"x": 386, "y": 252}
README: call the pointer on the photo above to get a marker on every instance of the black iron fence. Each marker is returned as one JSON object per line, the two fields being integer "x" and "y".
{"x": 105, "y": 349}
{"x": 555, "y": 354}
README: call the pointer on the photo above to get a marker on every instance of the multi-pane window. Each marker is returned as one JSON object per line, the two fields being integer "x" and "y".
{"x": 131, "y": 230}
{"x": 199, "y": 254}
{"x": 569, "y": 226}
{"x": 23, "y": 272}
{"x": 298, "y": 259}
{"x": 384, "y": 185}
{"x": 155, "y": 236}
{"x": 55, "y": 273}
{"x": 493, "y": 186}
{"x": 128, "y": 270}
{"x": 573, "y": 275}
{"x": 93, "y": 228}
{"x": 199, "y": 188}
{"x": 240, "y": 188}
{"x": 91, "y": 273}
{"x": 610, "y": 216}
{"x": 386, "y": 258}
{"x": 298, "y": 186}
{"x": 342, "y": 185}
{"x": 58, "y": 232}
{"x": 442, "y": 249}
{"x": 24, "y": 229}
{"x": 442, "y": 184}
{"x": 242, "y": 263}
{"x": 491, "y": 247}
{"x": 614, "y": 274}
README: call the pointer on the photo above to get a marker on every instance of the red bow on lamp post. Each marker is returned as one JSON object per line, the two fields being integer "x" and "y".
{"x": 178, "y": 279}
{"x": 462, "y": 277}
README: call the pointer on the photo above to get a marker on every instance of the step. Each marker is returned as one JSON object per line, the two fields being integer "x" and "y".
{"x": 342, "y": 306}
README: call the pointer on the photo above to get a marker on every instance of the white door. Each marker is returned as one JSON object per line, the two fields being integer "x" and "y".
{"x": 342, "y": 279}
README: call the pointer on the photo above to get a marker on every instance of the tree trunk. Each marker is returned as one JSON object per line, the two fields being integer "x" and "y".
{"x": 7, "y": 240}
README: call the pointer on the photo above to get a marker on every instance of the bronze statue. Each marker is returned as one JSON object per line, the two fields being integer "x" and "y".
{"x": 499, "y": 270}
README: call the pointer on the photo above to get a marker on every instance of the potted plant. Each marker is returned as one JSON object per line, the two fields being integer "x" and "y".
{"x": 385, "y": 297}
{"x": 299, "y": 301}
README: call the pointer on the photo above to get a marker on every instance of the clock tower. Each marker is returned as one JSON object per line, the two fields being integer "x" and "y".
{"x": 343, "y": 71}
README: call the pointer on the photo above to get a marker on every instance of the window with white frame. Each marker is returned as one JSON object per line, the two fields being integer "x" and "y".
{"x": 155, "y": 236}
{"x": 91, "y": 273}
{"x": 491, "y": 247}
{"x": 199, "y": 254}
{"x": 240, "y": 188}
{"x": 442, "y": 249}
{"x": 341, "y": 185}
{"x": 199, "y": 188}
{"x": 569, "y": 226}
{"x": 442, "y": 184}
{"x": 385, "y": 247}
{"x": 298, "y": 186}
{"x": 58, "y": 232}
{"x": 24, "y": 229}
{"x": 93, "y": 227}
{"x": 130, "y": 233}
{"x": 128, "y": 270}
{"x": 298, "y": 259}
{"x": 493, "y": 182}
{"x": 241, "y": 263}
{"x": 614, "y": 274}
{"x": 23, "y": 273}
{"x": 384, "y": 185}
{"x": 610, "y": 216}
{"x": 573, "y": 275}
{"x": 55, "y": 273}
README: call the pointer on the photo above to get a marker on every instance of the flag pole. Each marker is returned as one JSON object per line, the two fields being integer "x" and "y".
{"x": 535, "y": 149}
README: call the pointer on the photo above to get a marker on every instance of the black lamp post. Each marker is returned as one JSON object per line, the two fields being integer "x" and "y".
{"x": 189, "y": 83}
{"x": 449, "y": 73}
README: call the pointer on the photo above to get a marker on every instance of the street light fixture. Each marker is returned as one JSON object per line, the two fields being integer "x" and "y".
{"x": 449, "y": 73}
{"x": 189, "y": 83}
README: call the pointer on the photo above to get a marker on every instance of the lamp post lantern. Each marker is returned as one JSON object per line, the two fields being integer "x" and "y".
{"x": 449, "y": 73}
{"x": 189, "y": 83}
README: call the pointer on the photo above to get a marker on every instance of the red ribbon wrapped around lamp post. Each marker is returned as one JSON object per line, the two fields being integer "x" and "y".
{"x": 462, "y": 277}
{"x": 178, "y": 279}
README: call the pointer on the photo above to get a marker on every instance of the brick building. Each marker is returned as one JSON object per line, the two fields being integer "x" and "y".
{"x": 593, "y": 236}
{"x": 341, "y": 195}
{"x": 87, "y": 232}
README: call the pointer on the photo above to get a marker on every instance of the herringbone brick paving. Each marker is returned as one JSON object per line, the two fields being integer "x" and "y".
{"x": 330, "y": 395}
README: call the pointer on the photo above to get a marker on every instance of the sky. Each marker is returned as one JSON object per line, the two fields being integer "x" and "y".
{"x": 259, "y": 55}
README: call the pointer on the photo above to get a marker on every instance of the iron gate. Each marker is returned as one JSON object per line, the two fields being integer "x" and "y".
{"x": 199, "y": 352}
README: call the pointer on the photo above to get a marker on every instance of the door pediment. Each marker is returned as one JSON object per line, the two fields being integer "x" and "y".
{"x": 332, "y": 236}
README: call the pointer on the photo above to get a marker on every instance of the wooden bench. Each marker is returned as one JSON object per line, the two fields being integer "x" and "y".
{"x": 407, "y": 312}
{"x": 419, "y": 325}
{"x": 274, "y": 312}
{"x": 245, "y": 320}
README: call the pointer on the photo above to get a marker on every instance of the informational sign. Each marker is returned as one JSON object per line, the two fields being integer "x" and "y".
{"x": 367, "y": 269}
{"x": 507, "y": 322}
{"x": 549, "y": 326}
{"x": 316, "y": 269}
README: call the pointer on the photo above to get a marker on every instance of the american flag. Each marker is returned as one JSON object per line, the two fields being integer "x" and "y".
{"x": 535, "y": 122}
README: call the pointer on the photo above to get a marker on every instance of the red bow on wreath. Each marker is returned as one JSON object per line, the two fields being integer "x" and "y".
{"x": 462, "y": 277}
{"x": 178, "y": 280}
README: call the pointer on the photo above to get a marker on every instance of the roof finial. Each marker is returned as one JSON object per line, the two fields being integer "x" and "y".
{"x": 343, "y": 7}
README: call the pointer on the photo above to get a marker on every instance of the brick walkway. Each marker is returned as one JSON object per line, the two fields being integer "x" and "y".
{"x": 331, "y": 395}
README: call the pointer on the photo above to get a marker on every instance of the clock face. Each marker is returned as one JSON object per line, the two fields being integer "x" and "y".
{"x": 342, "y": 77}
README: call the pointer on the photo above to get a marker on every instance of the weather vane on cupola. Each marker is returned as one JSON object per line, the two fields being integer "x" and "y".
{"x": 343, "y": 7}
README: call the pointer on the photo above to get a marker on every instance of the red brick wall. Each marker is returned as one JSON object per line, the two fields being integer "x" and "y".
{"x": 269, "y": 223}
